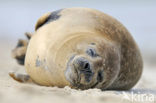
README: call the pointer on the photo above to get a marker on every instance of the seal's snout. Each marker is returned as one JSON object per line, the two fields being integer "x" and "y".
{"x": 82, "y": 64}
{"x": 84, "y": 67}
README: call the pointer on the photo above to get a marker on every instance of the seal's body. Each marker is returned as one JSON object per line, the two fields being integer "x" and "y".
{"x": 82, "y": 48}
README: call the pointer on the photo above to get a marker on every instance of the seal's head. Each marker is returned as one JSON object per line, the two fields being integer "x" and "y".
{"x": 85, "y": 70}
{"x": 96, "y": 67}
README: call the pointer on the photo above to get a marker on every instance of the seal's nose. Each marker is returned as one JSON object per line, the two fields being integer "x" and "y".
{"x": 82, "y": 64}
{"x": 84, "y": 67}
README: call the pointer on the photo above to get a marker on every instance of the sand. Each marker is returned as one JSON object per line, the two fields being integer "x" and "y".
{"x": 15, "y": 92}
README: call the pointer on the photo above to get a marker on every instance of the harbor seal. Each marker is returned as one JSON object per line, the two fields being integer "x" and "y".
{"x": 81, "y": 48}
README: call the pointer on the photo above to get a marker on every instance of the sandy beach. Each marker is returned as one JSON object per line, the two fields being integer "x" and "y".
{"x": 12, "y": 91}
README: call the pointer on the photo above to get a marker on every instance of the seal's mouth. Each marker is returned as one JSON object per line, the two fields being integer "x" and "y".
{"x": 91, "y": 85}
{"x": 84, "y": 69}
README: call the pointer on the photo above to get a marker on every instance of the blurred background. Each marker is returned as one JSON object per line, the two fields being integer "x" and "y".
{"x": 139, "y": 16}
{"x": 20, "y": 16}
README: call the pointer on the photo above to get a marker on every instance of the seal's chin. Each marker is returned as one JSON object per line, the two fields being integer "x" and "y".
{"x": 79, "y": 73}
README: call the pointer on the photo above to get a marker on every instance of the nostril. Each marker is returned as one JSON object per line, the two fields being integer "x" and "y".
{"x": 86, "y": 66}
{"x": 82, "y": 63}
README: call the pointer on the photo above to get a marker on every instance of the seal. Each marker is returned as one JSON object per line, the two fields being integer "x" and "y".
{"x": 81, "y": 48}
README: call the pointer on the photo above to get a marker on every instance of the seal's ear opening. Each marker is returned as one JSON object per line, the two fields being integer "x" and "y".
{"x": 42, "y": 20}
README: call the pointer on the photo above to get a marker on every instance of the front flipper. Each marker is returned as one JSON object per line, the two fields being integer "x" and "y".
{"x": 20, "y": 77}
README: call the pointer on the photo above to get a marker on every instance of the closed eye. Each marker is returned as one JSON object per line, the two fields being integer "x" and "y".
{"x": 91, "y": 52}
